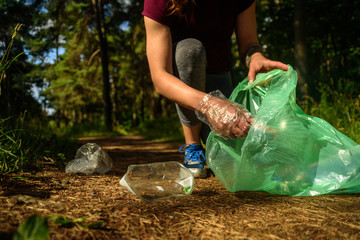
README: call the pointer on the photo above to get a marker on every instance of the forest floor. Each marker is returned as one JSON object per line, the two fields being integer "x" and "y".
{"x": 210, "y": 212}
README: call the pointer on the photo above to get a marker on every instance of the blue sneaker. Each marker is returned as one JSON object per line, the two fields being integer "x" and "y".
{"x": 194, "y": 159}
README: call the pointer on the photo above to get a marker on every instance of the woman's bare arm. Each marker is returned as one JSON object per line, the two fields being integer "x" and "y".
{"x": 229, "y": 123}
{"x": 159, "y": 53}
{"x": 246, "y": 35}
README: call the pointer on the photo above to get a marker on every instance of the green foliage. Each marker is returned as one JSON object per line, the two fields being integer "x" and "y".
{"x": 87, "y": 129}
{"x": 341, "y": 110}
{"x": 275, "y": 29}
{"x": 73, "y": 81}
{"x": 75, "y": 78}
{"x": 34, "y": 228}
{"x": 332, "y": 55}
{"x": 16, "y": 85}
{"x": 333, "y": 52}
{"x": 24, "y": 141}
{"x": 162, "y": 129}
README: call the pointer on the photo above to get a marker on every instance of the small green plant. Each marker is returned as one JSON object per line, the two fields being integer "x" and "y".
{"x": 61, "y": 157}
{"x": 66, "y": 222}
{"x": 33, "y": 228}
{"x": 36, "y": 227}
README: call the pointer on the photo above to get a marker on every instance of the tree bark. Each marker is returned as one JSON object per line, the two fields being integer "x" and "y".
{"x": 155, "y": 105}
{"x": 99, "y": 12}
{"x": 300, "y": 48}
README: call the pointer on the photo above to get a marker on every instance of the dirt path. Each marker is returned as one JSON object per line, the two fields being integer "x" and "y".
{"x": 210, "y": 212}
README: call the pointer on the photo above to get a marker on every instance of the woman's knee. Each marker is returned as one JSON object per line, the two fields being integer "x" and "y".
{"x": 190, "y": 50}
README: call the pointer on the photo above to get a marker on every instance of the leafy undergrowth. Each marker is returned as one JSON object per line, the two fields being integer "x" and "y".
{"x": 341, "y": 110}
{"x": 25, "y": 142}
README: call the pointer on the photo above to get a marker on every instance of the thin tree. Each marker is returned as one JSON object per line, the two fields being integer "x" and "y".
{"x": 300, "y": 47}
{"x": 99, "y": 13}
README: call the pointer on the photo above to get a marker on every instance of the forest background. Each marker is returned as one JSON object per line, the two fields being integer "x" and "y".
{"x": 75, "y": 68}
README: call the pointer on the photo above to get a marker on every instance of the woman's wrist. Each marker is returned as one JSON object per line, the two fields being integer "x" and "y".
{"x": 252, "y": 49}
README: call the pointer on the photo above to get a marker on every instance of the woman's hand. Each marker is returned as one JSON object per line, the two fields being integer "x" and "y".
{"x": 246, "y": 36}
{"x": 226, "y": 118}
{"x": 259, "y": 63}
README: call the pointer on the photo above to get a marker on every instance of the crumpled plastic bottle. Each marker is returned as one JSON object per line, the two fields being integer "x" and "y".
{"x": 90, "y": 158}
{"x": 158, "y": 181}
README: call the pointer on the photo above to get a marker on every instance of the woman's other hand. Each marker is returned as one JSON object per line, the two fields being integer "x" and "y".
{"x": 259, "y": 63}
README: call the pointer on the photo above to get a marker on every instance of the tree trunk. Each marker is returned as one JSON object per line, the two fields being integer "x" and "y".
{"x": 155, "y": 105}
{"x": 300, "y": 48}
{"x": 98, "y": 9}
{"x": 115, "y": 99}
{"x": 142, "y": 90}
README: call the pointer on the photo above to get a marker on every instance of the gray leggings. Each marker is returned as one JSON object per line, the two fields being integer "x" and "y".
{"x": 190, "y": 66}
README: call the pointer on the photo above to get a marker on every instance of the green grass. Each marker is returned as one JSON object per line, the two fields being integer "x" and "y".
{"x": 341, "y": 110}
{"x": 25, "y": 141}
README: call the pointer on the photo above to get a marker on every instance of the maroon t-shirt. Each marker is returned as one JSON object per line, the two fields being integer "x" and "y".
{"x": 213, "y": 26}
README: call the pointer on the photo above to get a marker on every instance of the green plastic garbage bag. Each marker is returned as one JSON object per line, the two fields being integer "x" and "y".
{"x": 286, "y": 151}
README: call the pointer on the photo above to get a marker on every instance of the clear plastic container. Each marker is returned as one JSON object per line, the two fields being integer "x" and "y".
{"x": 158, "y": 181}
{"x": 90, "y": 158}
